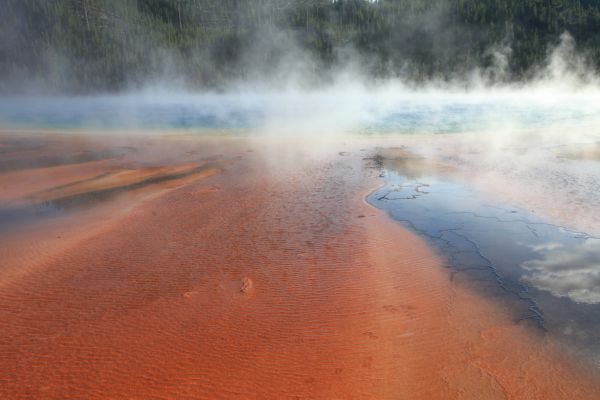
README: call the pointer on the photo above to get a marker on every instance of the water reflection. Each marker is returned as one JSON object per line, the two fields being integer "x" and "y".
{"x": 571, "y": 271}
{"x": 552, "y": 274}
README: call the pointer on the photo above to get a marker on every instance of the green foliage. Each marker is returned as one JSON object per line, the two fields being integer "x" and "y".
{"x": 109, "y": 44}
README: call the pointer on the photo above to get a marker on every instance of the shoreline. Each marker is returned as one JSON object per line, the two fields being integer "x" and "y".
{"x": 486, "y": 328}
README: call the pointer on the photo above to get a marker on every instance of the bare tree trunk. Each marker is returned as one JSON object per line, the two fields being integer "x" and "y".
{"x": 85, "y": 13}
{"x": 307, "y": 9}
{"x": 179, "y": 13}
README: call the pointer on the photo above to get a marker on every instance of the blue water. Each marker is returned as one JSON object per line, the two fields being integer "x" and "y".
{"x": 357, "y": 113}
{"x": 456, "y": 116}
{"x": 120, "y": 112}
{"x": 549, "y": 274}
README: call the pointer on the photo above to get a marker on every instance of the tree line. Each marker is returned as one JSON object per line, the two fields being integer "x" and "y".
{"x": 84, "y": 45}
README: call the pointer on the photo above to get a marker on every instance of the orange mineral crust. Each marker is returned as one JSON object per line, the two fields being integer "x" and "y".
{"x": 268, "y": 280}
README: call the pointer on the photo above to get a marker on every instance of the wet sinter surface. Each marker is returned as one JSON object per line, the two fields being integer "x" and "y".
{"x": 550, "y": 273}
{"x": 269, "y": 278}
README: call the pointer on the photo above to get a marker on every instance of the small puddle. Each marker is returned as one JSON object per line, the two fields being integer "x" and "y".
{"x": 552, "y": 274}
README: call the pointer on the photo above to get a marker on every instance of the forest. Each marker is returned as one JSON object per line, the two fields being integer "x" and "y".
{"x": 111, "y": 45}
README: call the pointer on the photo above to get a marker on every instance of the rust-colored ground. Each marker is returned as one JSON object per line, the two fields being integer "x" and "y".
{"x": 269, "y": 278}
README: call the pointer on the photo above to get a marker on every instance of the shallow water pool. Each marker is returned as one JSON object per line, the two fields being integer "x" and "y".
{"x": 550, "y": 274}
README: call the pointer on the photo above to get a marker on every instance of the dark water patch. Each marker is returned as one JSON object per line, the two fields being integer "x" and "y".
{"x": 15, "y": 215}
{"x": 549, "y": 274}
{"x": 55, "y": 160}
{"x": 13, "y": 144}
{"x": 48, "y": 192}
{"x": 92, "y": 197}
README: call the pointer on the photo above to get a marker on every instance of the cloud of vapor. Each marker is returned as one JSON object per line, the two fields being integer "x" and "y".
{"x": 268, "y": 82}
{"x": 566, "y": 66}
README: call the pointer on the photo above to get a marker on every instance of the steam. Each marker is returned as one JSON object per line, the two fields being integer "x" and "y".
{"x": 511, "y": 131}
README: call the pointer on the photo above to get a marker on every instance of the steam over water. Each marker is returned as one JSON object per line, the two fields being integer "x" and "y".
{"x": 337, "y": 111}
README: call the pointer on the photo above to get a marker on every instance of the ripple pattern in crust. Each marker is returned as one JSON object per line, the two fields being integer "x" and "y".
{"x": 340, "y": 307}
